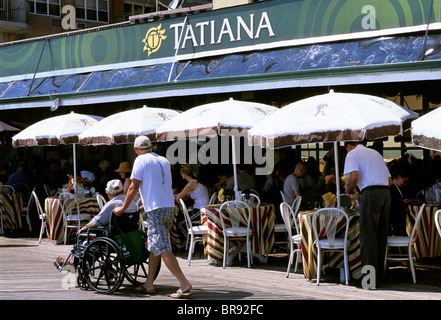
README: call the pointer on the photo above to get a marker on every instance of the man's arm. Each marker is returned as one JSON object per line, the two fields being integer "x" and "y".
{"x": 87, "y": 226}
{"x": 130, "y": 196}
{"x": 352, "y": 183}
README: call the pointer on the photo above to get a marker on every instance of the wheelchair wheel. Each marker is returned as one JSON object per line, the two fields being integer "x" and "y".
{"x": 137, "y": 274}
{"x": 81, "y": 281}
{"x": 103, "y": 265}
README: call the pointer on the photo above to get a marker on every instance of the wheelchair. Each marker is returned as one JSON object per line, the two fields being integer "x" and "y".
{"x": 100, "y": 261}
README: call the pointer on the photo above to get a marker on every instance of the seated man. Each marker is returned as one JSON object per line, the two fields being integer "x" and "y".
{"x": 115, "y": 193}
{"x": 245, "y": 180}
{"x": 291, "y": 186}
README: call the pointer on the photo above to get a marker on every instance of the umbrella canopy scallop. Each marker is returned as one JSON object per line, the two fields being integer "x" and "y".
{"x": 426, "y": 131}
{"x": 208, "y": 120}
{"x": 123, "y": 127}
{"x": 64, "y": 129}
{"x": 331, "y": 117}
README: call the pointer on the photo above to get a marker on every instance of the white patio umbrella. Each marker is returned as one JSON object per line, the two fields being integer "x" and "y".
{"x": 55, "y": 131}
{"x": 123, "y": 127}
{"x": 426, "y": 130}
{"x": 331, "y": 117}
{"x": 7, "y": 127}
{"x": 212, "y": 119}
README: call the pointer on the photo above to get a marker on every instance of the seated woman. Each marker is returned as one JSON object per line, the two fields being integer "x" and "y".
{"x": 124, "y": 170}
{"x": 85, "y": 180}
{"x": 114, "y": 191}
{"x": 194, "y": 190}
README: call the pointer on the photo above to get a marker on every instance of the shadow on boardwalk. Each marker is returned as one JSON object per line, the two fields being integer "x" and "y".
{"x": 27, "y": 273}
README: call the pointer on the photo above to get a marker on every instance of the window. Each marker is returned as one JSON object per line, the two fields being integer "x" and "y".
{"x": 133, "y": 9}
{"x": 45, "y": 7}
{"x": 92, "y": 10}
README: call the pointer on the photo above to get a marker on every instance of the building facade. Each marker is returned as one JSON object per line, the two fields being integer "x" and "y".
{"x": 273, "y": 52}
{"x": 24, "y": 19}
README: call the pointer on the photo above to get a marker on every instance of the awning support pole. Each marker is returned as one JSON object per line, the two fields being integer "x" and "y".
{"x": 177, "y": 49}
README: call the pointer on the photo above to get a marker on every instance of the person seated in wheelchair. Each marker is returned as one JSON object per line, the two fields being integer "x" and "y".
{"x": 127, "y": 221}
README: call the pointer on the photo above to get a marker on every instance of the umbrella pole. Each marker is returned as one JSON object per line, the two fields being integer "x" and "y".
{"x": 236, "y": 190}
{"x": 75, "y": 168}
{"x": 337, "y": 174}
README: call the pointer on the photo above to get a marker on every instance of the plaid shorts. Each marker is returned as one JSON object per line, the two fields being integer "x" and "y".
{"x": 159, "y": 223}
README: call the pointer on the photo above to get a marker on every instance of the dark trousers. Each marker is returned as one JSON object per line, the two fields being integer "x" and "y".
{"x": 374, "y": 227}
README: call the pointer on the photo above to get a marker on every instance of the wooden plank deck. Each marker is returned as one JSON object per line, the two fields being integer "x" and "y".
{"x": 27, "y": 273}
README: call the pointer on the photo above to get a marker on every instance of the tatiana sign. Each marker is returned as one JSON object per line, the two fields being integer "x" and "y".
{"x": 259, "y": 26}
{"x": 208, "y": 33}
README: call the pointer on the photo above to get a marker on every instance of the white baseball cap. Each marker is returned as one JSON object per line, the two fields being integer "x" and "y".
{"x": 142, "y": 142}
{"x": 114, "y": 187}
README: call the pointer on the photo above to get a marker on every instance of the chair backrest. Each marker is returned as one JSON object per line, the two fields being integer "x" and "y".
{"x": 296, "y": 205}
{"x": 255, "y": 192}
{"x": 251, "y": 198}
{"x": 329, "y": 218}
{"x": 47, "y": 190}
{"x": 289, "y": 218}
{"x": 213, "y": 198}
{"x": 416, "y": 224}
{"x": 283, "y": 196}
{"x": 101, "y": 201}
{"x": 186, "y": 215}
{"x": 256, "y": 198}
{"x": 437, "y": 222}
{"x": 235, "y": 216}
{"x": 66, "y": 205}
{"x": 24, "y": 189}
{"x": 6, "y": 189}
{"x": 41, "y": 188}
{"x": 37, "y": 204}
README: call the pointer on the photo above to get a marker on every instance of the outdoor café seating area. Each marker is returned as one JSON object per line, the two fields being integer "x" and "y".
{"x": 258, "y": 212}
{"x": 247, "y": 215}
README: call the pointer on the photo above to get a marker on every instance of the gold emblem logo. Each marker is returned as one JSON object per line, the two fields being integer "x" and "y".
{"x": 153, "y": 39}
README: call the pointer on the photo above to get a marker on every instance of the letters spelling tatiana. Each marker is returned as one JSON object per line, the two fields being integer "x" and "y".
{"x": 207, "y": 30}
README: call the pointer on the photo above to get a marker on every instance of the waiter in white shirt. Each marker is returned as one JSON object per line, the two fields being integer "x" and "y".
{"x": 367, "y": 170}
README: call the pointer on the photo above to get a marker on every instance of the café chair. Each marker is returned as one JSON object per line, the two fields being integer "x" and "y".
{"x": 46, "y": 189}
{"x": 281, "y": 227}
{"x": 213, "y": 198}
{"x": 239, "y": 229}
{"x": 26, "y": 200}
{"x": 252, "y": 191}
{"x": 71, "y": 212}
{"x": 2, "y": 229}
{"x": 39, "y": 187}
{"x": 405, "y": 242}
{"x": 196, "y": 233}
{"x": 252, "y": 199}
{"x": 6, "y": 189}
{"x": 283, "y": 196}
{"x": 295, "y": 240}
{"x": 101, "y": 201}
{"x": 41, "y": 214}
{"x": 437, "y": 222}
{"x": 328, "y": 219}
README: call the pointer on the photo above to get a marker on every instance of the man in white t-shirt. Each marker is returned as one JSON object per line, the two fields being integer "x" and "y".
{"x": 151, "y": 176}
{"x": 367, "y": 170}
{"x": 291, "y": 186}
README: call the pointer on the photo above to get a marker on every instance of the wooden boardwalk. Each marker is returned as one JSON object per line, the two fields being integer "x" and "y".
{"x": 27, "y": 273}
